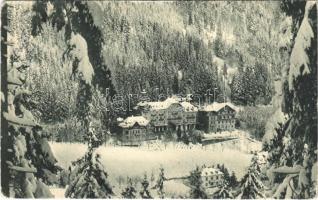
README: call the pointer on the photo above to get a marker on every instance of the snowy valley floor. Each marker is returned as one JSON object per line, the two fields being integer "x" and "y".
{"x": 177, "y": 159}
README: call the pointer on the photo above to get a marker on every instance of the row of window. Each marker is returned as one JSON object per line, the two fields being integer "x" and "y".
{"x": 135, "y": 131}
{"x": 214, "y": 118}
{"x": 227, "y": 117}
{"x": 225, "y": 121}
{"x": 212, "y": 178}
{"x": 190, "y": 117}
{"x": 227, "y": 111}
{"x": 221, "y": 117}
{"x": 172, "y": 114}
{"x": 220, "y": 123}
{"x": 134, "y": 138}
{"x": 153, "y": 115}
{"x": 213, "y": 184}
{"x": 163, "y": 119}
{"x": 226, "y": 126}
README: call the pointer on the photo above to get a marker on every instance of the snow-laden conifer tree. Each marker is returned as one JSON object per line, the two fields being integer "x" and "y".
{"x": 130, "y": 191}
{"x": 224, "y": 192}
{"x": 89, "y": 179}
{"x": 144, "y": 193}
{"x": 27, "y": 160}
{"x": 293, "y": 149}
{"x": 251, "y": 185}
{"x": 197, "y": 191}
{"x": 159, "y": 185}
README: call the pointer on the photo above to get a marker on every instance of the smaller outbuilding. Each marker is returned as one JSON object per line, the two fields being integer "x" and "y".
{"x": 134, "y": 130}
{"x": 211, "y": 177}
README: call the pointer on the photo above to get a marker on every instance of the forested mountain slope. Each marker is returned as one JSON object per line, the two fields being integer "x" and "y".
{"x": 170, "y": 47}
{"x": 155, "y": 40}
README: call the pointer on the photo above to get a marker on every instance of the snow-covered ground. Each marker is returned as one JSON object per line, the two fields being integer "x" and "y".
{"x": 237, "y": 140}
{"x": 58, "y": 192}
{"x": 177, "y": 159}
{"x": 226, "y": 134}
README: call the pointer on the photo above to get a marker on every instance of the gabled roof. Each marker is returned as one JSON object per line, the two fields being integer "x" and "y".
{"x": 159, "y": 105}
{"x": 188, "y": 107}
{"x": 218, "y": 106}
{"x": 210, "y": 171}
{"x": 131, "y": 121}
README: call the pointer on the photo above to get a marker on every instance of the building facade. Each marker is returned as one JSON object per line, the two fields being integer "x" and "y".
{"x": 176, "y": 116}
{"x": 134, "y": 130}
{"x": 170, "y": 114}
{"x": 217, "y": 117}
{"x": 211, "y": 177}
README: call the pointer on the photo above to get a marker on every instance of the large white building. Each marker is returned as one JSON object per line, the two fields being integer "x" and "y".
{"x": 174, "y": 114}
{"x": 211, "y": 177}
{"x": 171, "y": 114}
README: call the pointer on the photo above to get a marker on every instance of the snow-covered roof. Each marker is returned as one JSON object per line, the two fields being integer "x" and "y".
{"x": 218, "y": 106}
{"x": 159, "y": 105}
{"x": 210, "y": 171}
{"x": 119, "y": 119}
{"x": 188, "y": 107}
{"x": 130, "y": 121}
{"x": 173, "y": 99}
